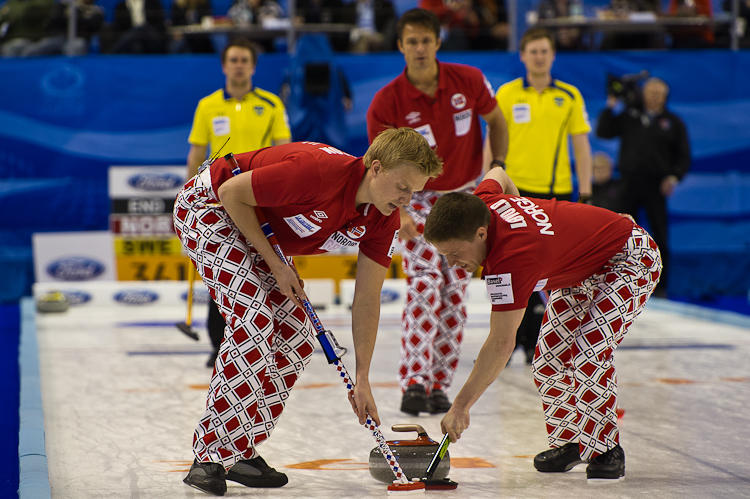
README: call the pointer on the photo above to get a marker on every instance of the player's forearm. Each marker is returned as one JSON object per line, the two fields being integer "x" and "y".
{"x": 196, "y": 156}
{"x": 365, "y": 318}
{"x": 582, "y": 151}
{"x": 232, "y": 196}
{"x": 498, "y": 135}
{"x": 492, "y": 359}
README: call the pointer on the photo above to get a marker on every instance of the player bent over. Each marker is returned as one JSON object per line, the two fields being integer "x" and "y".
{"x": 317, "y": 199}
{"x": 600, "y": 268}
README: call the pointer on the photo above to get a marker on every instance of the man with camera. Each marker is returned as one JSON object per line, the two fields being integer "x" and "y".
{"x": 654, "y": 156}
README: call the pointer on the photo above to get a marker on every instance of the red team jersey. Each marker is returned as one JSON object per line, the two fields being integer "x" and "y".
{"x": 449, "y": 122}
{"x": 300, "y": 188}
{"x": 536, "y": 244}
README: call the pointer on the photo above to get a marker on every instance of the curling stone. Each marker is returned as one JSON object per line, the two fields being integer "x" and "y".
{"x": 52, "y": 302}
{"x": 414, "y": 456}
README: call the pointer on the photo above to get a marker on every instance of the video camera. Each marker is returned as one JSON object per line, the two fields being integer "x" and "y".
{"x": 626, "y": 88}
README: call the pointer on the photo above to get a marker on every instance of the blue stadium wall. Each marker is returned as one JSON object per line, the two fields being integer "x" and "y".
{"x": 64, "y": 121}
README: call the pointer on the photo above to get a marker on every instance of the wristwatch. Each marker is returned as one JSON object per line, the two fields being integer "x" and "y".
{"x": 497, "y": 162}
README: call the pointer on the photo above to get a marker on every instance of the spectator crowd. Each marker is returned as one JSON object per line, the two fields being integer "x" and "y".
{"x": 42, "y": 27}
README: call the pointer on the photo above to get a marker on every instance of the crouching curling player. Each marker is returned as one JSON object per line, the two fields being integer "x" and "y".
{"x": 600, "y": 268}
{"x": 316, "y": 199}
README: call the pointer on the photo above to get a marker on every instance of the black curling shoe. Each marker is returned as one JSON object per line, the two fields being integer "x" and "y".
{"x": 208, "y": 477}
{"x": 559, "y": 459}
{"x": 256, "y": 473}
{"x": 607, "y": 467}
{"x": 414, "y": 400}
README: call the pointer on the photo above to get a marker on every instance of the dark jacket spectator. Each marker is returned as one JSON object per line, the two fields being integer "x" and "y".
{"x": 139, "y": 27}
{"x": 22, "y": 22}
{"x": 383, "y": 17}
{"x": 186, "y": 13}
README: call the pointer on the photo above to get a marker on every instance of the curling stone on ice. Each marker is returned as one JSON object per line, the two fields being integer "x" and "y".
{"x": 414, "y": 456}
{"x": 52, "y": 302}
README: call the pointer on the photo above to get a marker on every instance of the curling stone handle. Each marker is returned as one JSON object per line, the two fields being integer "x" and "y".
{"x": 410, "y": 427}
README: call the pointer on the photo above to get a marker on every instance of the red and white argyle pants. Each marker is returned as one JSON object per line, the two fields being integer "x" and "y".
{"x": 435, "y": 314}
{"x": 267, "y": 342}
{"x": 573, "y": 365}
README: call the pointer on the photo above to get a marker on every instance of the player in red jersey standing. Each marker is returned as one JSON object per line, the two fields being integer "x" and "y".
{"x": 600, "y": 268}
{"x": 443, "y": 102}
{"x": 317, "y": 199}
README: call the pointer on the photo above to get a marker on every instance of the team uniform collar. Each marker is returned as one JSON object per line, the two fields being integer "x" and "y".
{"x": 552, "y": 84}
{"x": 228, "y": 97}
{"x": 413, "y": 92}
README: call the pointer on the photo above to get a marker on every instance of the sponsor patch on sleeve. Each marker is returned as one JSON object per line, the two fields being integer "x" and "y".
{"x": 500, "y": 289}
{"x": 301, "y": 225}
{"x": 393, "y": 244}
{"x": 540, "y": 284}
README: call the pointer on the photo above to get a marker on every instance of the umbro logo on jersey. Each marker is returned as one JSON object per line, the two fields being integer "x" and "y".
{"x": 413, "y": 117}
{"x": 318, "y": 215}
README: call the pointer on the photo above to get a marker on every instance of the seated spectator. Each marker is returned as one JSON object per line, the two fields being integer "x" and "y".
{"x": 375, "y": 22}
{"x": 691, "y": 36}
{"x": 89, "y": 20}
{"x": 565, "y": 38}
{"x": 494, "y": 29}
{"x": 605, "y": 189}
{"x": 632, "y": 41}
{"x": 186, "y": 13}
{"x": 139, "y": 27}
{"x": 743, "y": 21}
{"x": 325, "y": 12}
{"x": 245, "y": 12}
{"x": 459, "y": 22}
{"x": 22, "y": 23}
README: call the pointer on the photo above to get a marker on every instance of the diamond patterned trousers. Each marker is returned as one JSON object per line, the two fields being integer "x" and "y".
{"x": 267, "y": 342}
{"x": 434, "y": 315}
{"x": 573, "y": 364}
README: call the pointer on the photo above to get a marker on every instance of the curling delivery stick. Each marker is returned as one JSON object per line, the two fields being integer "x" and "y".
{"x": 445, "y": 483}
{"x": 333, "y": 353}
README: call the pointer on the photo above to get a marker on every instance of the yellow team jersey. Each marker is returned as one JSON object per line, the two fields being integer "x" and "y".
{"x": 249, "y": 124}
{"x": 538, "y": 127}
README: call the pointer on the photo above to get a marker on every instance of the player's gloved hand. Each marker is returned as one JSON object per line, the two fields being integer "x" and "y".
{"x": 289, "y": 282}
{"x": 454, "y": 423}
{"x": 363, "y": 402}
{"x": 585, "y": 199}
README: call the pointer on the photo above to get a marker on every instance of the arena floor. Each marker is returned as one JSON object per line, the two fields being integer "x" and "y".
{"x": 122, "y": 389}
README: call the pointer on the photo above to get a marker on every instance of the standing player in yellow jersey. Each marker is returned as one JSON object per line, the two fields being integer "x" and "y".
{"x": 542, "y": 112}
{"x": 237, "y": 118}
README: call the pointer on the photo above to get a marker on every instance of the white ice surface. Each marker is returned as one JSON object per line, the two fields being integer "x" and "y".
{"x": 122, "y": 390}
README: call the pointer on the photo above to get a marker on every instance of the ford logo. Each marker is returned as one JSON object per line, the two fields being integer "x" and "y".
{"x": 199, "y": 296}
{"x": 155, "y": 181}
{"x": 77, "y": 297}
{"x": 388, "y": 296}
{"x": 75, "y": 268}
{"x": 136, "y": 297}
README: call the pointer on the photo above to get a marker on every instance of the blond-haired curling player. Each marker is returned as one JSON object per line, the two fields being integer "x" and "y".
{"x": 317, "y": 199}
